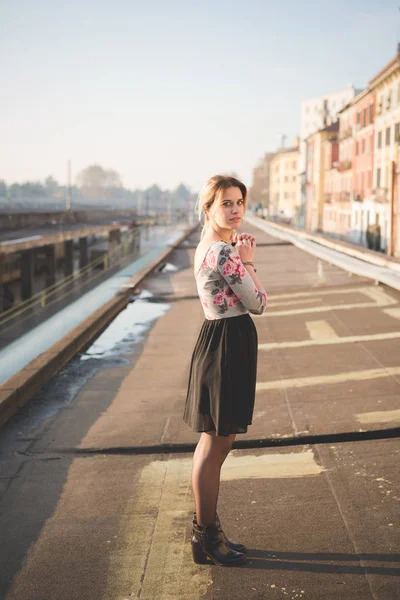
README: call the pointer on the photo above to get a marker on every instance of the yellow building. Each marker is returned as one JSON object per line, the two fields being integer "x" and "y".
{"x": 315, "y": 174}
{"x": 284, "y": 189}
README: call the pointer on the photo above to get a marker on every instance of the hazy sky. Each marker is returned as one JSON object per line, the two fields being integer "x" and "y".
{"x": 173, "y": 91}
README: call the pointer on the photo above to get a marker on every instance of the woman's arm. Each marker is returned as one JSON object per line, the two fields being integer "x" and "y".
{"x": 241, "y": 281}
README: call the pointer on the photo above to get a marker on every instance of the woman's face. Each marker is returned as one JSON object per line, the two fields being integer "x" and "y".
{"x": 228, "y": 210}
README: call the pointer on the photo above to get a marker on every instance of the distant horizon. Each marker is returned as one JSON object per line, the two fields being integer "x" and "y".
{"x": 74, "y": 184}
{"x": 171, "y": 93}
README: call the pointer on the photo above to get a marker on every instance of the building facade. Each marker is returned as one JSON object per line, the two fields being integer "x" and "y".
{"x": 319, "y": 151}
{"x": 386, "y": 86}
{"x": 284, "y": 189}
{"x": 316, "y": 114}
{"x": 260, "y": 188}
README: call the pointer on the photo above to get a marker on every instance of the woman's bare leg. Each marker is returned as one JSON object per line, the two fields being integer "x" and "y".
{"x": 210, "y": 453}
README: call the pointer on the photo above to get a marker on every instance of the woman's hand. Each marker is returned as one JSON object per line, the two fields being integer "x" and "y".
{"x": 246, "y": 245}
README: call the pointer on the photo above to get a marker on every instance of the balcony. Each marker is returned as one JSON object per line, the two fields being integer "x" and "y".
{"x": 343, "y": 165}
{"x": 344, "y": 197}
{"x": 380, "y": 194}
{"x": 346, "y": 133}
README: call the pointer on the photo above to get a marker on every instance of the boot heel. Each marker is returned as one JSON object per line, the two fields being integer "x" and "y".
{"x": 199, "y": 556}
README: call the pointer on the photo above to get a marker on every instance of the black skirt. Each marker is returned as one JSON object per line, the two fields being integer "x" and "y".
{"x": 222, "y": 379}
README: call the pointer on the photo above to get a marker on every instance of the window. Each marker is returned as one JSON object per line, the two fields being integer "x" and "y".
{"x": 363, "y": 147}
{"x": 396, "y": 130}
{"x": 358, "y": 118}
{"x": 378, "y": 178}
{"x": 379, "y": 139}
{"x": 387, "y": 136}
{"x": 371, "y": 113}
{"x": 398, "y": 93}
{"x": 356, "y": 148}
{"x": 365, "y": 117}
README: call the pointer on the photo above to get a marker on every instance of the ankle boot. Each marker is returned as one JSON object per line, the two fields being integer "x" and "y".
{"x": 237, "y": 546}
{"x": 207, "y": 542}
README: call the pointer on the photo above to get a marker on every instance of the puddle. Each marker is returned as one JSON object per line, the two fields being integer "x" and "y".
{"x": 127, "y": 328}
{"x": 167, "y": 267}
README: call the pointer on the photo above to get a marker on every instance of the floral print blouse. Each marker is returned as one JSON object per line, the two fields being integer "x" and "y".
{"x": 225, "y": 287}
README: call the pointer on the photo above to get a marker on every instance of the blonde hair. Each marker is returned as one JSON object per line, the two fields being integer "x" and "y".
{"x": 212, "y": 190}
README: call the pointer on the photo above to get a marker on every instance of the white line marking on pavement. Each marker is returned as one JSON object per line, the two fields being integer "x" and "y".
{"x": 270, "y": 466}
{"x": 285, "y": 313}
{"x": 379, "y": 416}
{"x": 392, "y": 312}
{"x": 337, "y": 340}
{"x": 153, "y": 552}
{"x": 288, "y": 302}
{"x": 378, "y": 296}
{"x": 329, "y": 379}
{"x": 340, "y": 291}
{"x": 155, "y": 549}
{"x": 320, "y": 330}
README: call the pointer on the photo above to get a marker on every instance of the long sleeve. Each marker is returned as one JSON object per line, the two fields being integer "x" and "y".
{"x": 231, "y": 268}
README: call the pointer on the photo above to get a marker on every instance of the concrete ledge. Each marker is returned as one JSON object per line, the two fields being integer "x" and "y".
{"x": 362, "y": 254}
{"x": 17, "y": 390}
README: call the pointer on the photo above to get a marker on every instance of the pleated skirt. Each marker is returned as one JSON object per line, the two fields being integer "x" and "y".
{"x": 222, "y": 379}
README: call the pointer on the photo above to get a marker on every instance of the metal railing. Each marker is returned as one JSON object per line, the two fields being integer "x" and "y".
{"x": 48, "y": 296}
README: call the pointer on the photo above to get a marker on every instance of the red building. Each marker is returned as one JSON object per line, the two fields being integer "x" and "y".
{"x": 363, "y": 148}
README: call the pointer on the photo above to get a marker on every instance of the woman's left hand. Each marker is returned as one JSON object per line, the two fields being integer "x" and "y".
{"x": 245, "y": 236}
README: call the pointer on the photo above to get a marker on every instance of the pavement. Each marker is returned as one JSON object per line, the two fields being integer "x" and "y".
{"x": 95, "y": 496}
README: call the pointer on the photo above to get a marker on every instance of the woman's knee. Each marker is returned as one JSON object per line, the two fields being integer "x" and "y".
{"x": 217, "y": 447}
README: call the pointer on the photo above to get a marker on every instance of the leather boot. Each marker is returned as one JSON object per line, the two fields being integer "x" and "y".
{"x": 237, "y": 546}
{"x": 207, "y": 542}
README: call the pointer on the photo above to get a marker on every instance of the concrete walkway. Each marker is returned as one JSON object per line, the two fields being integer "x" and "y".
{"x": 93, "y": 507}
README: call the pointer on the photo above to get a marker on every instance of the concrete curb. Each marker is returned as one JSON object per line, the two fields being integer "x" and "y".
{"x": 373, "y": 268}
{"x": 365, "y": 255}
{"x": 17, "y": 390}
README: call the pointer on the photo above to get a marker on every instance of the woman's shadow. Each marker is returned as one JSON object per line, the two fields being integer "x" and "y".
{"x": 322, "y": 562}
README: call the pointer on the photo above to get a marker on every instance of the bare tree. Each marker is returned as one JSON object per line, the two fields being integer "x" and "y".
{"x": 98, "y": 183}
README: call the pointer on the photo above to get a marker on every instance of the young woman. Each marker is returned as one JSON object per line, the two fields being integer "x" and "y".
{"x": 222, "y": 380}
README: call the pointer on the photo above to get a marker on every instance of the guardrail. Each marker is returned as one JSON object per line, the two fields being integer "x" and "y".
{"x": 51, "y": 294}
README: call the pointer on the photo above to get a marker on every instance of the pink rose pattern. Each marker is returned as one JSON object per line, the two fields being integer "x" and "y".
{"x": 212, "y": 259}
{"x": 229, "y": 263}
{"x": 223, "y": 297}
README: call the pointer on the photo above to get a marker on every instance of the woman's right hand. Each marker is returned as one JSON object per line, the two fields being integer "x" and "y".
{"x": 246, "y": 249}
